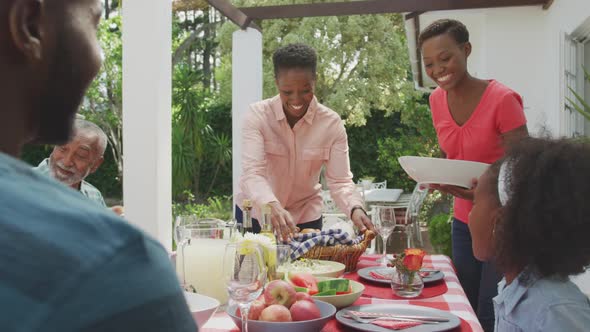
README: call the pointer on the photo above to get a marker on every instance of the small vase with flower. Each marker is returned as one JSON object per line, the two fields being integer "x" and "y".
{"x": 406, "y": 281}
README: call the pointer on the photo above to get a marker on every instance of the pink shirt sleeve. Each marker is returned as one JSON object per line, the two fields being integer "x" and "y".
{"x": 253, "y": 180}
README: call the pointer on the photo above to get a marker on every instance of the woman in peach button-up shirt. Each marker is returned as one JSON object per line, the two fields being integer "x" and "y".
{"x": 286, "y": 140}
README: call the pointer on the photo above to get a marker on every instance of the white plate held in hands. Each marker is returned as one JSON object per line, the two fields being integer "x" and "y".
{"x": 442, "y": 171}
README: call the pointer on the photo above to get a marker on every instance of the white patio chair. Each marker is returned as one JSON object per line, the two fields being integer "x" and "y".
{"x": 361, "y": 190}
{"x": 379, "y": 185}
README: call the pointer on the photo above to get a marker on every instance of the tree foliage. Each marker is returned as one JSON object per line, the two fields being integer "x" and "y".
{"x": 103, "y": 104}
{"x": 201, "y": 152}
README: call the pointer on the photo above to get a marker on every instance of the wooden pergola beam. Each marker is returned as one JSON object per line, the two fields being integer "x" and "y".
{"x": 412, "y": 15}
{"x": 375, "y": 7}
{"x": 234, "y": 14}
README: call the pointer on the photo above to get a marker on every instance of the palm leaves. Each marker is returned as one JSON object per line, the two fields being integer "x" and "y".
{"x": 580, "y": 104}
{"x": 193, "y": 140}
{"x": 189, "y": 129}
{"x": 221, "y": 153}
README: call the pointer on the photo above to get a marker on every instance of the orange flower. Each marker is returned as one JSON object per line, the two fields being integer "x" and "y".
{"x": 413, "y": 259}
{"x": 414, "y": 251}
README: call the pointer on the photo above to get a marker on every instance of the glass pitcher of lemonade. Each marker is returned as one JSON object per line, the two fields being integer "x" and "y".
{"x": 200, "y": 249}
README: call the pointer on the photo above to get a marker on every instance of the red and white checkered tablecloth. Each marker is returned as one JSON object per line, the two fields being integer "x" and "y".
{"x": 454, "y": 300}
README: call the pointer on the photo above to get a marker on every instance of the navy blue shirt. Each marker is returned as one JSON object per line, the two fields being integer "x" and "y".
{"x": 67, "y": 264}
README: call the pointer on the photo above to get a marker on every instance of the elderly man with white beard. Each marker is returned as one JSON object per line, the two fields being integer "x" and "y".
{"x": 72, "y": 162}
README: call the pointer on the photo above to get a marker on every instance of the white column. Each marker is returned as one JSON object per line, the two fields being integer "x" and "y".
{"x": 246, "y": 89}
{"x": 147, "y": 184}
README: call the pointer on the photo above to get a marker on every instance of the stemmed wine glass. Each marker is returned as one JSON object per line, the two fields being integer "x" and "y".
{"x": 244, "y": 272}
{"x": 384, "y": 221}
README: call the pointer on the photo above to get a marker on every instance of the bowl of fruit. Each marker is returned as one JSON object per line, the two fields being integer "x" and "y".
{"x": 281, "y": 308}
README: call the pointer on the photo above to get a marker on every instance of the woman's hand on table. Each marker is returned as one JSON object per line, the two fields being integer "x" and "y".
{"x": 457, "y": 191}
{"x": 361, "y": 220}
{"x": 282, "y": 222}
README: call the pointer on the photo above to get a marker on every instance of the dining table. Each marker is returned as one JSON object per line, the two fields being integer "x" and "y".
{"x": 453, "y": 299}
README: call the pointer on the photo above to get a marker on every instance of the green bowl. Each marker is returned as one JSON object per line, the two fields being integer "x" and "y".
{"x": 344, "y": 300}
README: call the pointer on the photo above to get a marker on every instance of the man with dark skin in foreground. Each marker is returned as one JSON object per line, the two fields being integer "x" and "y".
{"x": 65, "y": 263}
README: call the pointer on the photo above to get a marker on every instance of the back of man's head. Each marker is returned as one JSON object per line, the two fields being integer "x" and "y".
{"x": 49, "y": 54}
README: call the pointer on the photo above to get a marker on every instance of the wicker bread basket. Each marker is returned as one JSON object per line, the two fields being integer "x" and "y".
{"x": 346, "y": 254}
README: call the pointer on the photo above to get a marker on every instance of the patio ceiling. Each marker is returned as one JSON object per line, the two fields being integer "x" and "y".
{"x": 377, "y": 7}
{"x": 244, "y": 16}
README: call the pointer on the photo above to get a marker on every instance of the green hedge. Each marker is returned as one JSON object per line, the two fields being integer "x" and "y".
{"x": 439, "y": 230}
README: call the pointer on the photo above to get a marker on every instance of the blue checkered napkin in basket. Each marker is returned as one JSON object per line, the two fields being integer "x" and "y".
{"x": 302, "y": 243}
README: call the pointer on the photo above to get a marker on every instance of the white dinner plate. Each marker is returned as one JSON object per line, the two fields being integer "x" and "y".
{"x": 402, "y": 309}
{"x": 442, "y": 171}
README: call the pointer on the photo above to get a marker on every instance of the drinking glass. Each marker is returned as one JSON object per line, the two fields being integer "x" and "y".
{"x": 283, "y": 261}
{"x": 384, "y": 221}
{"x": 182, "y": 238}
{"x": 244, "y": 274}
{"x": 234, "y": 228}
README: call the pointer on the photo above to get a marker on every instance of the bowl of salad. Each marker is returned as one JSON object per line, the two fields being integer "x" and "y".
{"x": 316, "y": 267}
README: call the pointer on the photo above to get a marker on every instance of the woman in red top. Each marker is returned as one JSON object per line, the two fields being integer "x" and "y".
{"x": 475, "y": 120}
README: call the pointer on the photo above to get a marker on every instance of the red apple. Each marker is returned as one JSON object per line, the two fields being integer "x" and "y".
{"x": 279, "y": 292}
{"x": 305, "y": 310}
{"x": 275, "y": 313}
{"x": 256, "y": 309}
{"x": 300, "y": 296}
